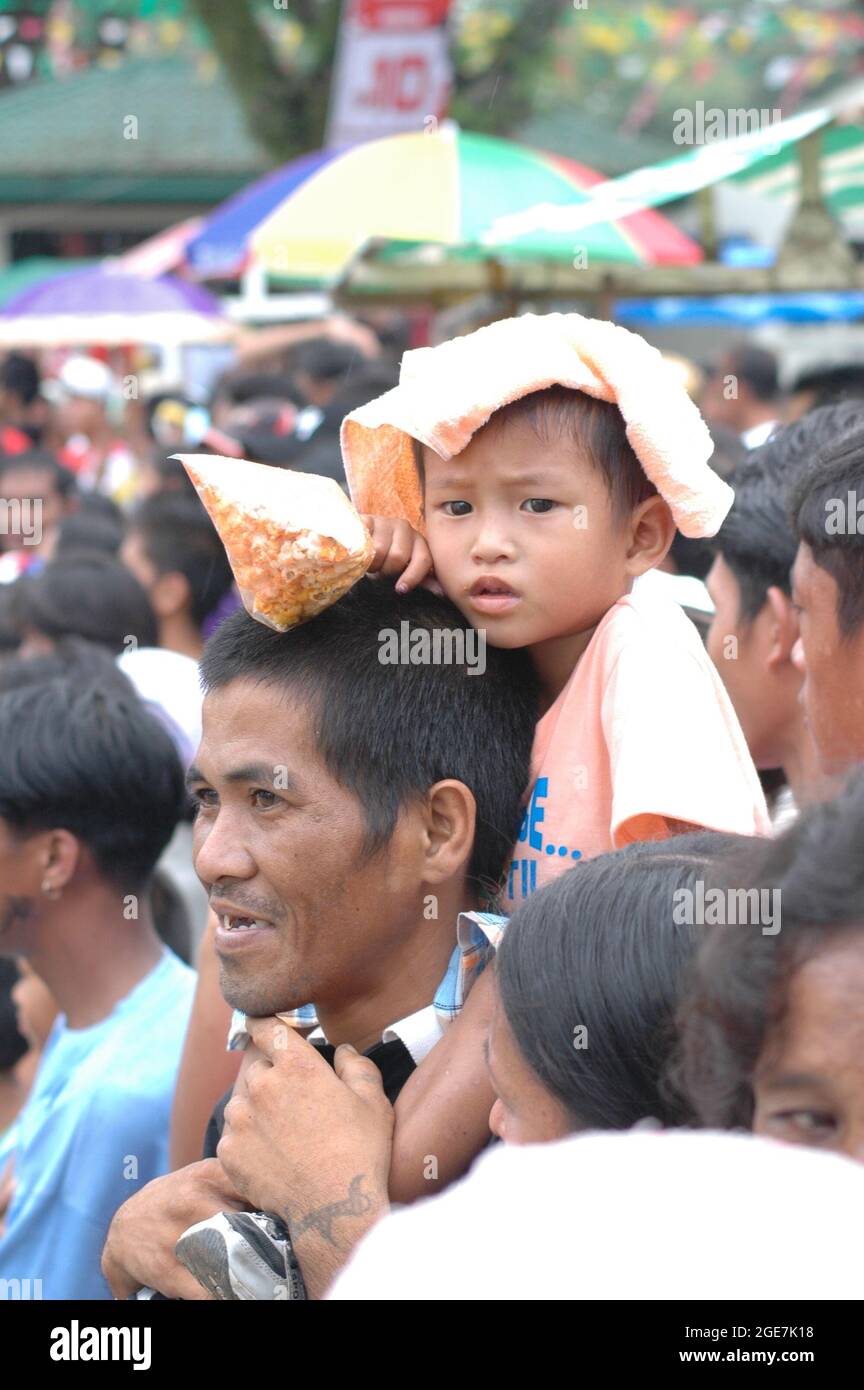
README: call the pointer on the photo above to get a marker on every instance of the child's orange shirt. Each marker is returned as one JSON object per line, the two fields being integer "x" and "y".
{"x": 643, "y": 734}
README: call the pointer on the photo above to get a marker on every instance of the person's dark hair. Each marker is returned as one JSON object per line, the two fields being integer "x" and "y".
{"x": 600, "y": 949}
{"x": 178, "y": 537}
{"x": 694, "y": 555}
{"x": 756, "y": 540}
{"x": 81, "y": 531}
{"x": 102, "y": 508}
{"x": 595, "y": 427}
{"x": 87, "y": 661}
{"x": 387, "y": 733}
{"x": 83, "y": 759}
{"x": 325, "y": 360}
{"x": 170, "y": 916}
{"x": 837, "y": 473}
{"x": 241, "y": 387}
{"x": 757, "y": 368}
{"x": 831, "y": 384}
{"x": 739, "y": 986}
{"x": 63, "y": 480}
{"x": 86, "y": 595}
{"x": 20, "y": 376}
{"x": 172, "y": 476}
{"x": 12, "y": 1045}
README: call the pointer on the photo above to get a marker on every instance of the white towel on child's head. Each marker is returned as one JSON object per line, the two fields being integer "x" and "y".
{"x": 446, "y": 393}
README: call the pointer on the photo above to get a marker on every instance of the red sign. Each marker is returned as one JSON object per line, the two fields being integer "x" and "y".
{"x": 393, "y": 69}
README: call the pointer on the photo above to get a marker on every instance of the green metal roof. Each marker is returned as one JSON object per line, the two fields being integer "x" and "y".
{"x": 66, "y": 141}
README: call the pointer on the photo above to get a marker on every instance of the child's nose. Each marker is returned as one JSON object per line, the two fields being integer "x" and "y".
{"x": 492, "y": 543}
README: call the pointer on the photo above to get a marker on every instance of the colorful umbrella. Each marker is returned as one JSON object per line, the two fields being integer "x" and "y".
{"x": 159, "y": 254}
{"x": 99, "y": 306}
{"x": 221, "y": 249}
{"x": 449, "y": 187}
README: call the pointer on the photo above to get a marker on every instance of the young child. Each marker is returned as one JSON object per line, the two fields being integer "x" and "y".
{"x": 538, "y": 467}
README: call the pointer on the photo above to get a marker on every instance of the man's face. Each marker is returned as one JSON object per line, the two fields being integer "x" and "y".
{"x": 511, "y": 521}
{"x": 41, "y": 506}
{"x": 740, "y": 651}
{"x": 279, "y": 843}
{"x": 135, "y": 558}
{"x": 833, "y": 667}
{"x": 20, "y": 876}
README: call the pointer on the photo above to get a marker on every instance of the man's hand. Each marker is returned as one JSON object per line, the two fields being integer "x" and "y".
{"x": 312, "y": 1144}
{"x": 399, "y": 549}
{"x": 139, "y": 1251}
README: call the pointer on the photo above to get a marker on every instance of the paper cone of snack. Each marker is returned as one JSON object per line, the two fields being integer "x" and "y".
{"x": 293, "y": 540}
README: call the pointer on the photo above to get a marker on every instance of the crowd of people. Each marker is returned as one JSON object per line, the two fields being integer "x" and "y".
{"x": 291, "y": 935}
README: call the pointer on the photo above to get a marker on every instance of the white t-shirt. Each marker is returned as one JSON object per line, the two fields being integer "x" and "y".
{"x": 636, "y": 1215}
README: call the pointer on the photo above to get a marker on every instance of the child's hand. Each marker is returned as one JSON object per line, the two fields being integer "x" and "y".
{"x": 398, "y": 550}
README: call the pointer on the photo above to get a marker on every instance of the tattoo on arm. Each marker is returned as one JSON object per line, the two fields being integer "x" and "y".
{"x": 321, "y": 1219}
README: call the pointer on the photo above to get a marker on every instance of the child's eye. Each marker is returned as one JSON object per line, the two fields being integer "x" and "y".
{"x": 456, "y": 508}
{"x": 536, "y": 505}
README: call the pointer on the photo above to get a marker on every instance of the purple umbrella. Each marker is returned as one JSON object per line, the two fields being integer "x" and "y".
{"x": 221, "y": 248}
{"x": 100, "y": 291}
{"x": 98, "y": 305}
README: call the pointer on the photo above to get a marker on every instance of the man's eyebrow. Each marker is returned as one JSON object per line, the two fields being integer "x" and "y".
{"x": 249, "y": 772}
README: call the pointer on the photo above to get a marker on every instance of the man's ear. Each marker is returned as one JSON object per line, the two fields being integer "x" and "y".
{"x": 59, "y": 855}
{"x": 450, "y": 816}
{"x": 784, "y": 626}
{"x": 652, "y": 531}
{"x": 170, "y": 594}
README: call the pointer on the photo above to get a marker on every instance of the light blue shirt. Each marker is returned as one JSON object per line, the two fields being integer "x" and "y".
{"x": 94, "y": 1130}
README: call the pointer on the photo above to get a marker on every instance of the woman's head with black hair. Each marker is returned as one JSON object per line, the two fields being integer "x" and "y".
{"x": 589, "y": 976}
{"x": 772, "y": 1023}
{"x": 88, "y": 595}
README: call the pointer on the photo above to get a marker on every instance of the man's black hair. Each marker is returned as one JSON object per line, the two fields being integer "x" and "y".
{"x": 599, "y": 948}
{"x": 387, "y": 733}
{"x": 81, "y": 758}
{"x": 241, "y": 387}
{"x": 831, "y": 385}
{"x": 82, "y": 531}
{"x": 20, "y": 376}
{"x": 178, "y": 537}
{"x": 694, "y": 555}
{"x": 757, "y": 368}
{"x": 326, "y": 360}
{"x": 86, "y": 595}
{"x": 837, "y": 474}
{"x": 595, "y": 427}
{"x": 738, "y": 991}
{"x": 173, "y": 478}
{"x": 86, "y": 662}
{"x": 757, "y": 540}
{"x": 63, "y": 480}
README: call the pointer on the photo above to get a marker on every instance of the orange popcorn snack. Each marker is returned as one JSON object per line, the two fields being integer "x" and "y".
{"x": 293, "y": 540}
